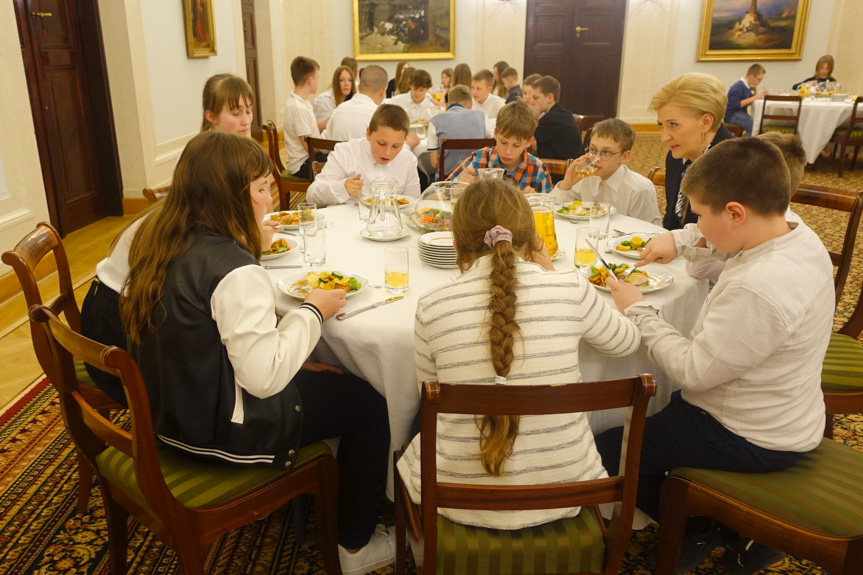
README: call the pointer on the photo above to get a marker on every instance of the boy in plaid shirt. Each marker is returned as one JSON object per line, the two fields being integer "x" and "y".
{"x": 516, "y": 123}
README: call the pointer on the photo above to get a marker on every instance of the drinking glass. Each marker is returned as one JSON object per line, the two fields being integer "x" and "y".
{"x": 307, "y": 216}
{"x": 396, "y": 269}
{"x": 489, "y": 174}
{"x": 421, "y": 130}
{"x": 600, "y": 218}
{"x": 315, "y": 246}
{"x": 364, "y": 208}
{"x": 543, "y": 218}
{"x": 584, "y": 255}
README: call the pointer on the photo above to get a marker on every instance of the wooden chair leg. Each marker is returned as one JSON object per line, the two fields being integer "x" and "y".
{"x": 85, "y": 481}
{"x": 854, "y": 157}
{"x": 672, "y": 525}
{"x": 117, "y": 519}
{"x": 841, "y": 159}
{"x": 401, "y": 525}
{"x": 300, "y": 509}
{"x": 828, "y": 427}
{"x": 326, "y": 514}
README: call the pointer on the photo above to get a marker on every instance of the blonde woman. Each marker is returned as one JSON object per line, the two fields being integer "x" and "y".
{"x": 510, "y": 318}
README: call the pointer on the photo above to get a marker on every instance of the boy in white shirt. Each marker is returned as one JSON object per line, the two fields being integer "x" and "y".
{"x": 481, "y": 86}
{"x": 750, "y": 371}
{"x": 416, "y": 101}
{"x": 351, "y": 119}
{"x": 300, "y": 121}
{"x": 613, "y": 182}
{"x": 355, "y": 164}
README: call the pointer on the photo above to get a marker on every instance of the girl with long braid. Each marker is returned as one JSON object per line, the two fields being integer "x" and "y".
{"x": 509, "y": 319}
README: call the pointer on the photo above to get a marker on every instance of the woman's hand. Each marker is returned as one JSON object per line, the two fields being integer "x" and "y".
{"x": 660, "y": 249}
{"x": 328, "y": 302}
{"x": 625, "y": 294}
{"x": 319, "y": 367}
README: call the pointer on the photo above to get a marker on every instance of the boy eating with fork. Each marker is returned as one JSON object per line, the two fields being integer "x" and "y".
{"x": 750, "y": 371}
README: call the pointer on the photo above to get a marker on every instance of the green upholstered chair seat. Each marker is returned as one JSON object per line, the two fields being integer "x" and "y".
{"x": 572, "y": 545}
{"x": 855, "y": 135}
{"x": 783, "y": 128}
{"x": 821, "y": 492}
{"x": 286, "y": 175}
{"x": 194, "y": 482}
{"x": 843, "y": 365}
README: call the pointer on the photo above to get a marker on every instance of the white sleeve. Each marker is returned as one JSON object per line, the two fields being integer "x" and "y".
{"x": 323, "y": 106}
{"x": 412, "y": 178}
{"x": 432, "y": 144}
{"x": 264, "y": 353}
{"x": 559, "y": 196}
{"x": 329, "y": 186}
{"x": 643, "y": 204}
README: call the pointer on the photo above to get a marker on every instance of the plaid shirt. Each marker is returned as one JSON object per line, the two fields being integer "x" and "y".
{"x": 530, "y": 172}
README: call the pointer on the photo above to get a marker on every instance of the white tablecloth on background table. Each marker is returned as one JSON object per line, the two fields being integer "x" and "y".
{"x": 818, "y": 120}
{"x": 378, "y": 345}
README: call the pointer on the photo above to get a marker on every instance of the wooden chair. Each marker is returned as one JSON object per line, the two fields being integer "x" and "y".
{"x": 657, "y": 176}
{"x": 316, "y": 145}
{"x": 842, "y": 201}
{"x": 850, "y": 136}
{"x": 599, "y": 549}
{"x": 585, "y": 138}
{"x": 291, "y": 190}
{"x": 781, "y": 122}
{"x": 587, "y": 122}
{"x": 555, "y": 167}
{"x": 153, "y": 195}
{"x": 812, "y": 509}
{"x": 204, "y": 499}
{"x": 735, "y": 130}
{"x": 471, "y": 144}
{"x": 31, "y": 259}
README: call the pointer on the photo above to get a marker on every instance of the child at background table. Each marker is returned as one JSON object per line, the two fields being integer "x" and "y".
{"x": 497, "y": 71}
{"x": 354, "y": 163}
{"x": 706, "y": 262}
{"x": 557, "y": 135}
{"x": 510, "y": 318}
{"x": 228, "y": 379}
{"x": 416, "y": 101}
{"x": 341, "y": 89}
{"x": 751, "y": 368}
{"x": 300, "y": 121}
{"x": 458, "y": 122}
{"x": 481, "y": 86}
{"x": 741, "y": 94}
{"x": 513, "y": 132}
{"x": 509, "y": 77}
{"x": 613, "y": 182}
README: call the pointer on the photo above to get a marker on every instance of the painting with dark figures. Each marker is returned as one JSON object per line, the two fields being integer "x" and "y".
{"x": 393, "y": 29}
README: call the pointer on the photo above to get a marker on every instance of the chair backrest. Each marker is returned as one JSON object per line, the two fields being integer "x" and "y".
{"x": 843, "y": 201}
{"x": 555, "y": 167}
{"x": 316, "y": 145}
{"x": 784, "y": 117}
{"x": 735, "y": 130}
{"x": 855, "y": 121}
{"x": 585, "y": 138}
{"x": 285, "y": 187}
{"x": 273, "y": 145}
{"x": 91, "y": 431}
{"x": 438, "y": 398}
{"x": 472, "y": 144}
{"x": 44, "y": 242}
{"x": 657, "y": 176}
{"x": 587, "y": 122}
{"x": 153, "y": 195}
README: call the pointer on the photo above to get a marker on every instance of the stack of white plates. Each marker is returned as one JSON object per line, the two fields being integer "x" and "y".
{"x": 436, "y": 250}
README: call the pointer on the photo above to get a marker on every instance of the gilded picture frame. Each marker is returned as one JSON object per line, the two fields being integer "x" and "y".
{"x": 408, "y": 29}
{"x": 752, "y": 30}
{"x": 200, "y": 32}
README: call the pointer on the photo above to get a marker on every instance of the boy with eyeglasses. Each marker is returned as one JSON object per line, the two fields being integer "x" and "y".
{"x": 741, "y": 94}
{"x": 613, "y": 182}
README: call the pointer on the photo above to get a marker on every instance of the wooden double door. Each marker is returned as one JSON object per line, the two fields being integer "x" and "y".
{"x": 61, "y": 44}
{"x": 579, "y": 42}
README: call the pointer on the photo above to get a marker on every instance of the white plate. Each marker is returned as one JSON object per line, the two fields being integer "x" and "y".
{"x": 321, "y": 218}
{"x": 286, "y": 284}
{"x": 632, "y": 254}
{"x": 436, "y": 239}
{"x": 291, "y": 243}
{"x": 365, "y": 234}
{"x": 367, "y": 201}
{"x": 612, "y": 210}
{"x": 658, "y": 280}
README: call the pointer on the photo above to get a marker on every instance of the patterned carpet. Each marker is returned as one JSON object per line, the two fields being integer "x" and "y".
{"x": 40, "y": 532}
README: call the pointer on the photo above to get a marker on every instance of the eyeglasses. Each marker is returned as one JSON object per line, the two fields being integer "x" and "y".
{"x": 603, "y": 155}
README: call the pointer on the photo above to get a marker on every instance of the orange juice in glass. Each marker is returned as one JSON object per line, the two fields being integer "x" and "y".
{"x": 584, "y": 254}
{"x": 543, "y": 218}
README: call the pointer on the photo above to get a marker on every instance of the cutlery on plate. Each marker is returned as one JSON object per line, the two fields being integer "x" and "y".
{"x": 620, "y": 277}
{"x": 368, "y": 307}
{"x": 284, "y": 266}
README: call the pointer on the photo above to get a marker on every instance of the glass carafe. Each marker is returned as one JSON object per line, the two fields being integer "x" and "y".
{"x": 543, "y": 217}
{"x": 385, "y": 220}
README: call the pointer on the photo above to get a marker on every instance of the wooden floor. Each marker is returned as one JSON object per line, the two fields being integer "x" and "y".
{"x": 84, "y": 248}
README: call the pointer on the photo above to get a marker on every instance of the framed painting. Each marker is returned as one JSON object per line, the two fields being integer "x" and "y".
{"x": 752, "y": 29}
{"x": 400, "y": 29}
{"x": 200, "y": 32}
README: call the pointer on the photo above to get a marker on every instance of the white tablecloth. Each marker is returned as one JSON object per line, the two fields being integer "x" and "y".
{"x": 818, "y": 120}
{"x": 377, "y": 345}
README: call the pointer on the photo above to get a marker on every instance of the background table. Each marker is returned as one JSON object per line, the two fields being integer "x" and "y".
{"x": 378, "y": 345}
{"x": 818, "y": 120}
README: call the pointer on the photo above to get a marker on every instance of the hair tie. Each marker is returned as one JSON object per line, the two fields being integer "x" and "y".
{"x": 497, "y": 234}
{"x": 499, "y": 380}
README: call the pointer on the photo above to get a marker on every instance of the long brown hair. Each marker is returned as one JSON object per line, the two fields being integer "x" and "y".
{"x": 485, "y": 204}
{"x": 210, "y": 194}
{"x": 221, "y": 90}
{"x": 461, "y": 75}
{"x": 337, "y": 84}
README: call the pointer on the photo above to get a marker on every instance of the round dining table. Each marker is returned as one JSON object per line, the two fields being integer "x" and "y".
{"x": 378, "y": 345}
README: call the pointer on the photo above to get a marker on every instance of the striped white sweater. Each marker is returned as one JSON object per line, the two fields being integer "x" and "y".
{"x": 556, "y": 309}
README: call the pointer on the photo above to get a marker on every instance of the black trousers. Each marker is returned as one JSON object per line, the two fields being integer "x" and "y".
{"x": 346, "y": 406}
{"x": 685, "y": 435}
{"x": 100, "y": 321}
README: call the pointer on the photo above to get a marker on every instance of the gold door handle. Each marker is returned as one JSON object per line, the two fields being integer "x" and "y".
{"x": 579, "y": 30}
{"x": 42, "y": 14}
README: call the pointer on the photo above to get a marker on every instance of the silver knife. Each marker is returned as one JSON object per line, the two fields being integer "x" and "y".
{"x": 596, "y": 251}
{"x": 368, "y": 307}
{"x": 285, "y": 266}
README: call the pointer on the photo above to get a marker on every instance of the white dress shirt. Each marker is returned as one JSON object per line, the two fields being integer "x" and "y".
{"x": 491, "y": 106}
{"x": 351, "y": 119}
{"x": 629, "y": 192}
{"x": 413, "y": 109}
{"x": 355, "y": 157}
{"x": 299, "y": 122}
{"x": 324, "y": 105}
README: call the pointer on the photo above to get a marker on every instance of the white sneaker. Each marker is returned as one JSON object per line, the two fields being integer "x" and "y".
{"x": 379, "y": 552}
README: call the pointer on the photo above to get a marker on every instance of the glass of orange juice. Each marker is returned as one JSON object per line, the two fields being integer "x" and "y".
{"x": 543, "y": 218}
{"x": 396, "y": 270}
{"x": 584, "y": 254}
